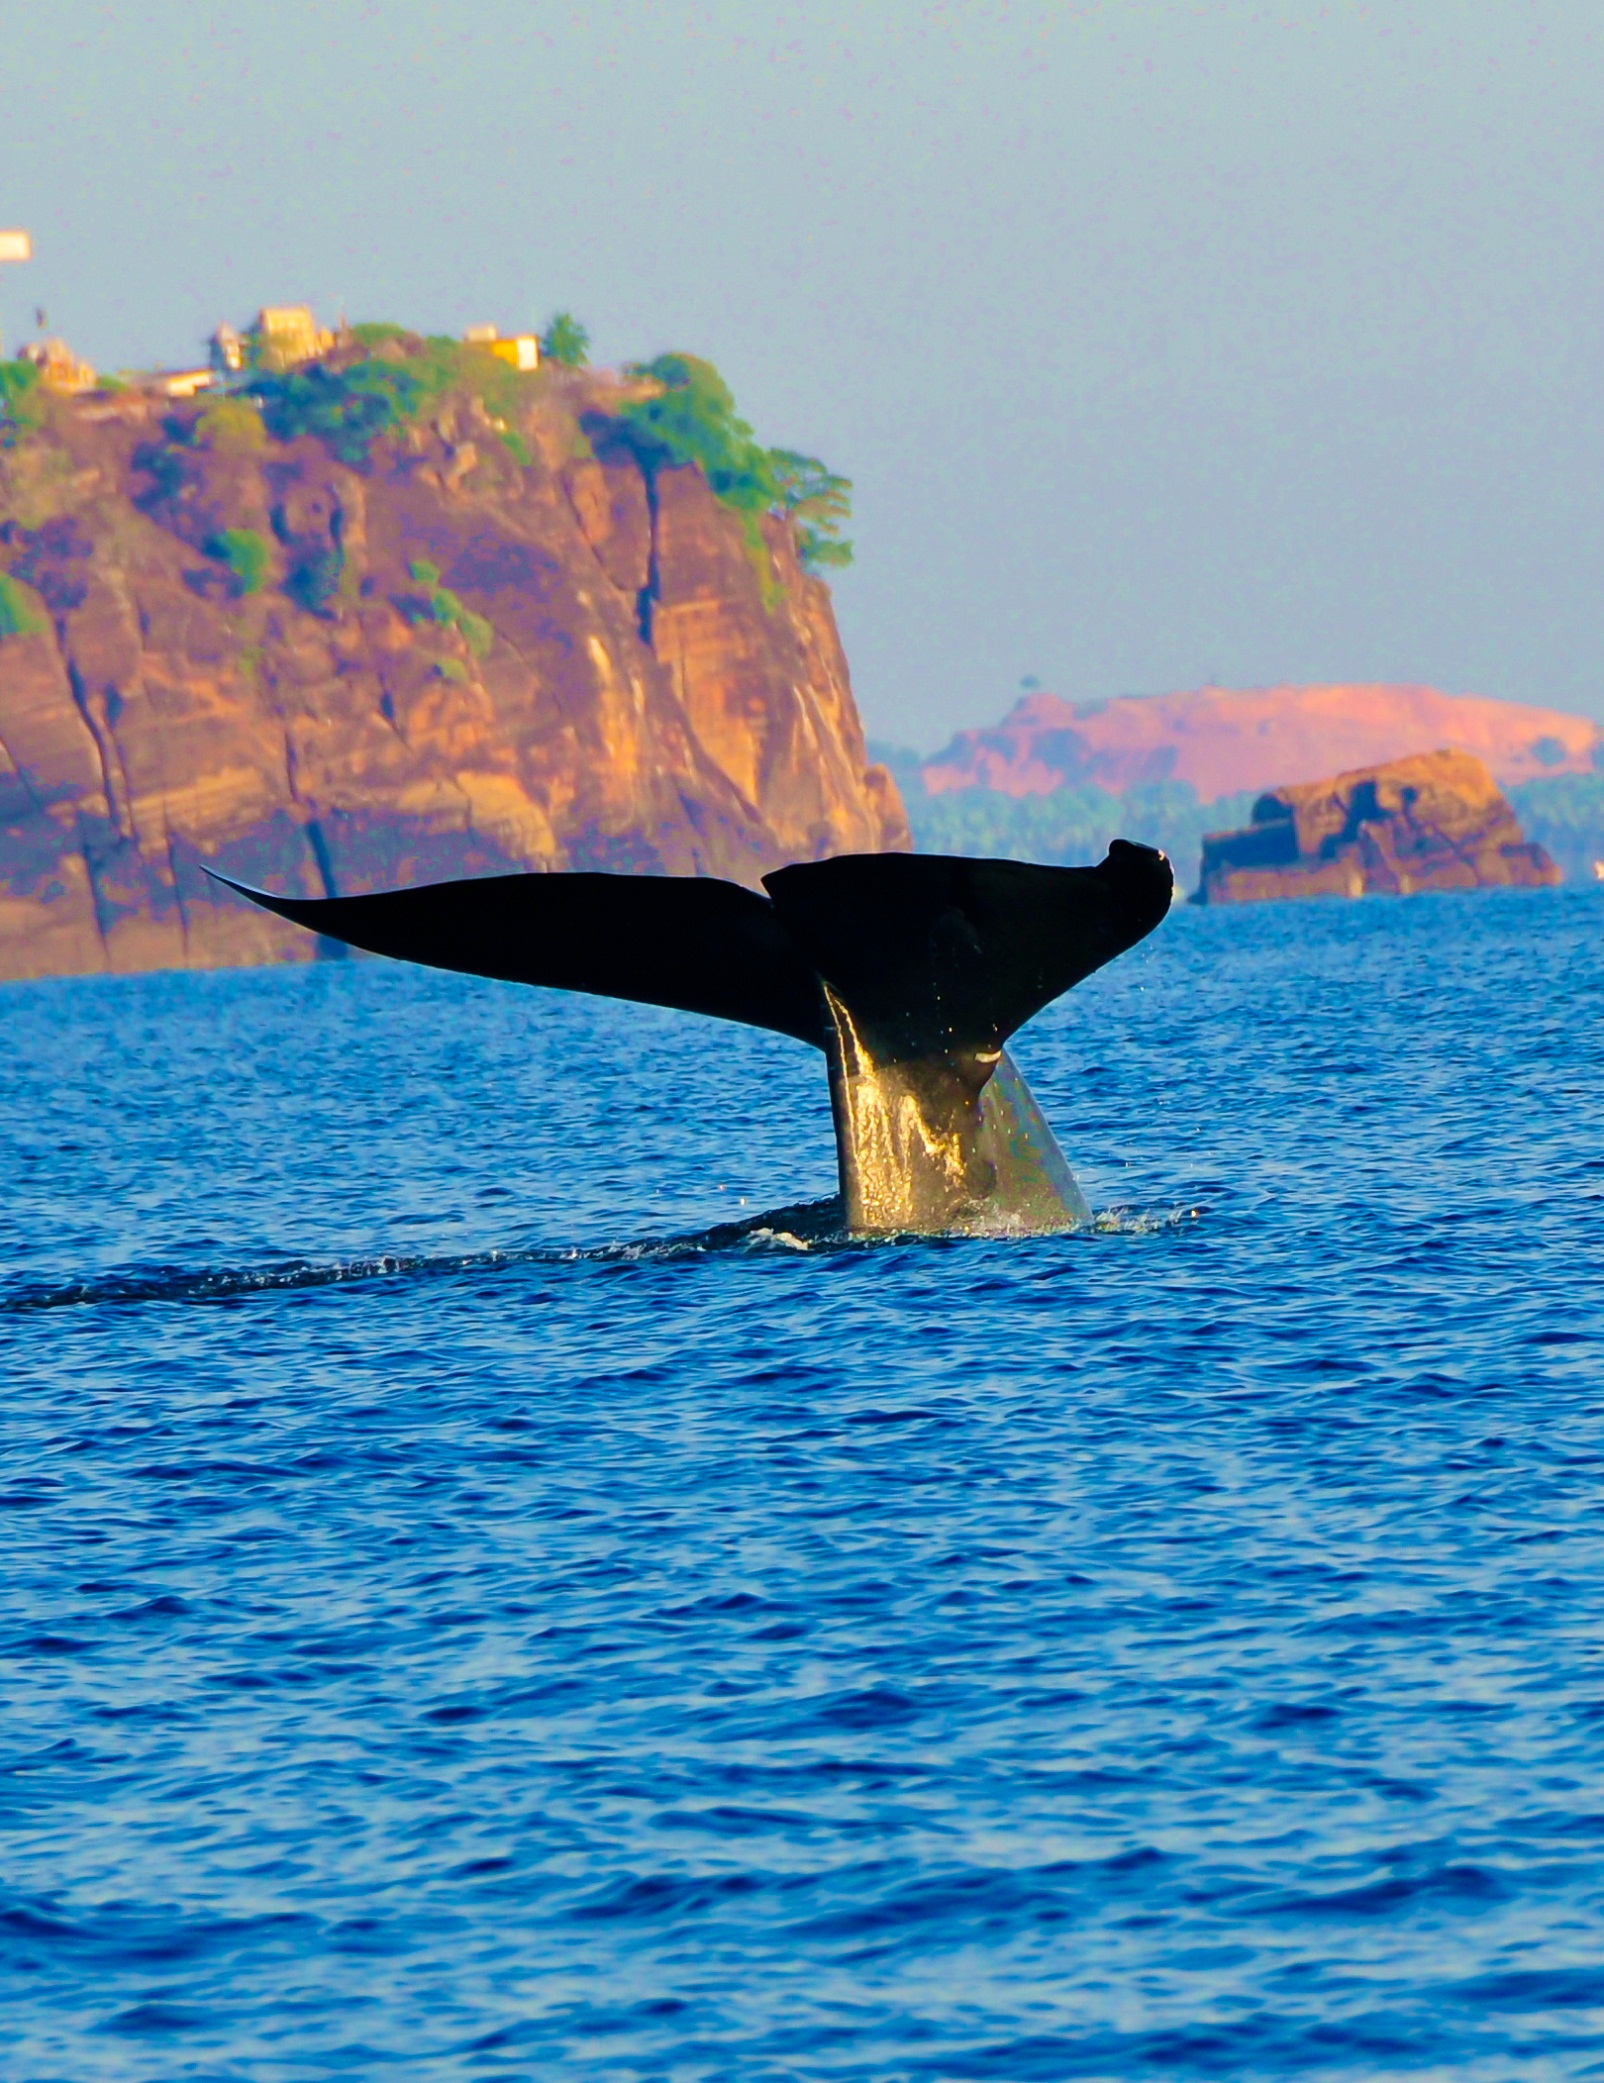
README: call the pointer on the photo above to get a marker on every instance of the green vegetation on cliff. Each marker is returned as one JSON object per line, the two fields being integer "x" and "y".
{"x": 248, "y": 556}
{"x": 18, "y": 616}
{"x": 21, "y": 401}
{"x": 821, "y": 504}
{"x": 399, "y": 378}
{"x": 347, "y": 409}
{"x": 445, "y": 608}
{"x": 383, "y": 381}
{"x": 232, "y": 426}
{"x": 692, "y": 418}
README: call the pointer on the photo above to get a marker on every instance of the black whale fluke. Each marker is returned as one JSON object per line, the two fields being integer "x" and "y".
{"x": 909, "y": 970}
{"x": 685, "y": 941}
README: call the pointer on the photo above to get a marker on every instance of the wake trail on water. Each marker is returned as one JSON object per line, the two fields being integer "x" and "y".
{"x": 811, "y": 1226}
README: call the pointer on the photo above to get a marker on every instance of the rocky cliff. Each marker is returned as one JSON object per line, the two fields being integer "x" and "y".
{"x": 1221, "y": 739}
{"x": 1435, "y": 822}
{"x": 495, "y": 638}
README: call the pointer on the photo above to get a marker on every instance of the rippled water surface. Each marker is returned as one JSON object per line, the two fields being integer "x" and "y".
{"x": 1176, "y": 1650}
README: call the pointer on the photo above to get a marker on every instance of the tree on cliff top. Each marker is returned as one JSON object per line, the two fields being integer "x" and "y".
{"x": 820, "y": 502}
{"x": 691, "y": 418}
{"x": 565, "y": 341}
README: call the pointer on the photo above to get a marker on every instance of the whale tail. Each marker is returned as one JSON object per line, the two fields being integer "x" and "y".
{"x": 910, "y": 971}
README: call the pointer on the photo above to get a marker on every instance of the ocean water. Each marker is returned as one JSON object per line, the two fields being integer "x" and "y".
{"x": 446, "y": 1633}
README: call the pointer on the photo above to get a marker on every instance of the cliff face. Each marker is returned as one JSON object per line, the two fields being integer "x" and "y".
{"x": 482, "y": 649}
{"x": 1435, "y": 822}
{"x": 1220, "y": 739}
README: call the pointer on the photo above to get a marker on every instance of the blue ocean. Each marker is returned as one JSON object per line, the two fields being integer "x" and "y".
{"x": 467, "y": 1613}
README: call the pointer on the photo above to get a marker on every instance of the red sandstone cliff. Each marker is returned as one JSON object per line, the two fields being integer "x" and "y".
{"x": 1435, "y": 822}
{"x": 1221, "y": 739}
{"x": 646, "y": 685}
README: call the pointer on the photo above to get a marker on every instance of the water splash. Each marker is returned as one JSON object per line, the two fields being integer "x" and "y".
{"x": 1142, "y": 1222}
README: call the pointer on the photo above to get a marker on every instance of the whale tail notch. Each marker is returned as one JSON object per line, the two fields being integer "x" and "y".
{"x": 910, "y": 971}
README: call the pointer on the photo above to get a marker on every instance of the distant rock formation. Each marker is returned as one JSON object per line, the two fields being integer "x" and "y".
{"x": 1434, "y": 822}
{"x": 1220, "y": 740}
{"x": 483, "y": 646}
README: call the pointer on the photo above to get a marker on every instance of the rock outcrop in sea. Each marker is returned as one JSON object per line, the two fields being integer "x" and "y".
{"x": 1437, "y": 821}
{"x": 476, "y": 644}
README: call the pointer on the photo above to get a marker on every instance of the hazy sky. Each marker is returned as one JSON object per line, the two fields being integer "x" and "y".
{"x": 1165, "y": 342}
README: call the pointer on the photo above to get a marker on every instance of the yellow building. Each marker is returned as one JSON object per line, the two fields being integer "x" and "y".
{"x": 522, "y": 350}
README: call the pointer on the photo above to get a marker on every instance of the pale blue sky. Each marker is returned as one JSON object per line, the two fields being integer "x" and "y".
{"x": 1164, "y": 341}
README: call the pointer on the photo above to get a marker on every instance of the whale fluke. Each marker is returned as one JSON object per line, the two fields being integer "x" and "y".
{"x": 910, "y": 971}
{"x": 690, "y": 942}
